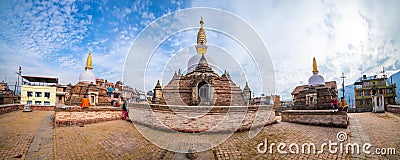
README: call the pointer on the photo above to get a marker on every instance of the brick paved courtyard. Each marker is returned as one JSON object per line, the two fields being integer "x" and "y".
{"x": 32, "y": 136}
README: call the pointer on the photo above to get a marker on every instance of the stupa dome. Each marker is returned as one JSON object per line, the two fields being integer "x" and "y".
{"x": 87, "y": 76}
{"x": 316, "y": 79}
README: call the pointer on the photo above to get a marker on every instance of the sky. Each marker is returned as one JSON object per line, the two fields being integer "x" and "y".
{"x": 53, "y": 38}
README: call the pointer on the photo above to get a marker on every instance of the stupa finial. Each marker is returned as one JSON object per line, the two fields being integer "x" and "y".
{"x": 315, "y": 67}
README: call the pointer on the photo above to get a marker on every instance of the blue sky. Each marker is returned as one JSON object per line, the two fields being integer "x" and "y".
{"x": 53, "y": 38}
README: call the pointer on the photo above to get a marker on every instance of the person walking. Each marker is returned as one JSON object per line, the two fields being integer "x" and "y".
{"x": 124, "y": 110}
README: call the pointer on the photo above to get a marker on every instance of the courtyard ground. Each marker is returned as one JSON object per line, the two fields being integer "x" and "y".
{"x": 31, "y": 135}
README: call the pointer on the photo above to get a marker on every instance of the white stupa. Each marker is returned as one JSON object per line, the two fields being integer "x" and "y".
{"x": 88, "y": 76}
{"x": 315, "y": 79}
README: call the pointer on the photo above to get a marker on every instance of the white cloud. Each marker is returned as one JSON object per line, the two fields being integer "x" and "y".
{"x": 43, "y": 28}
{"x": 11, "y": 59}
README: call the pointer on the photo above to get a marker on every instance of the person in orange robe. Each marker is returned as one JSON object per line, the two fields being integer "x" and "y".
{"x": 85, "y": 102}
{"x": 342, "y": 105}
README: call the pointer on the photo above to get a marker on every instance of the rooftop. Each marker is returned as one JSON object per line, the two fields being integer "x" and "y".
{"x": 41, "y": 79}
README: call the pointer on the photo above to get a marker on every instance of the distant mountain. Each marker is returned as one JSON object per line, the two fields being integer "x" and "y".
{"x": 349, "y": 89}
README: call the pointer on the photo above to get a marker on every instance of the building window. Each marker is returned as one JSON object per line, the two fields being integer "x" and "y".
{"x": 368, "y": 102}
{"x": 29, "y": 102}
{"x": 29, "y": 93}
{"x": 389, "y": 91}
{"x": 38, "y": 94}
{"x": 367, "y": 92}
{"x": 380, "y": 83}
{"x": 359, "y": 93}
{"x": 46, "y": 103}
{"x": 38, "y": 102}
{"x": 47, "y": 94}
{"x": 360, "y": 102}
{"x": 365, "y": 84}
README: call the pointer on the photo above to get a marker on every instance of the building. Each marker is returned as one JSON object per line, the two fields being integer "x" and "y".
{"x": 6, "y": 95}
{"x": 61, "y": 94}
{"x": 263, "y": 100}
{"x": 267, "y": 100}
{"x": 132, "y": 95}
{"x": 367, "y": 87}
{"x": 38, "y": 90}
{"x": 201, "y": 86}
{"x": 317, "y": 94}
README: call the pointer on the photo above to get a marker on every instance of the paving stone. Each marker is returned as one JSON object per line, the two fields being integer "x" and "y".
{"x": 17, "y": 131}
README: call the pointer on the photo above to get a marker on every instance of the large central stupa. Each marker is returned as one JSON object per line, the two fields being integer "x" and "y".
{"x": 201, "y": 85}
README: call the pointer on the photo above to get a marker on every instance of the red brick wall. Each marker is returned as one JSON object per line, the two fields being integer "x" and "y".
{"x": 10, "y": 107}
{"x": 78, "y": 116}
{"x": 393, "y": 108}
{"x": 42, "y": 108}
{"x": 13, "y": 107}
{"x": 316, "y": 117}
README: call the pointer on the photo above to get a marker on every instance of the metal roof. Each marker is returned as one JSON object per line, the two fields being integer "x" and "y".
{"x": 41, "y": 79}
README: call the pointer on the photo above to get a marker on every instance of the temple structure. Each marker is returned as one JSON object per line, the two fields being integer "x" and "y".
{"x": 99, "y": 92}
{"x": 201, "y": 85}
{"x": 317, "y": 94}
{"x": 6, "y": 95}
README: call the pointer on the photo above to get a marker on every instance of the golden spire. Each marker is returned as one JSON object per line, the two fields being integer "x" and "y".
{"x": 201, "y": 36}
{"x": 201, "y": 46}
{"x": 315, "y": 68}
{"x": 89, "y": 62}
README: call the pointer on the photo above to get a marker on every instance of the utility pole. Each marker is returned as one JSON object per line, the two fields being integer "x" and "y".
{"x": 19, "y": 74}
{"x": 343, "y": 77}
